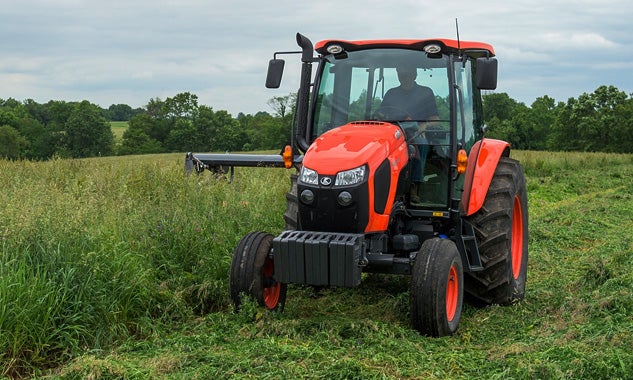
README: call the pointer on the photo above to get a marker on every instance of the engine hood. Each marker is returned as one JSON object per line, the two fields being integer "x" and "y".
{"x": 352, "y": 145}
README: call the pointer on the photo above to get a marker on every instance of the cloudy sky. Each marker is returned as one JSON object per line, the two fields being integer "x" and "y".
{"x": 130, "y": 51}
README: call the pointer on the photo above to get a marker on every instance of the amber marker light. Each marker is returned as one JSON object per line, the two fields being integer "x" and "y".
{"x": 287, "y": 156}
{"x": 462, "y": 161}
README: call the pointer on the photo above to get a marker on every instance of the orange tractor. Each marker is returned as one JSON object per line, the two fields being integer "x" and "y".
{"x": 393, "y": 176}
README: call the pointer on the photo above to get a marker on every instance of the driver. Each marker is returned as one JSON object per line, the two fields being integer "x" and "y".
{"x": 413, "y": 102}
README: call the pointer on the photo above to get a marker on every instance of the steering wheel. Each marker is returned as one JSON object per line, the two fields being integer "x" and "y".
{"x": 435, "y": 133}
{"x": 392, "y": 113}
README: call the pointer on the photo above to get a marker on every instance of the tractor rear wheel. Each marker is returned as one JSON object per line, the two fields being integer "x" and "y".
{"x": 501, "y": 228}
{"x": 437, "y": 288}
{"x": 252, "y": 270}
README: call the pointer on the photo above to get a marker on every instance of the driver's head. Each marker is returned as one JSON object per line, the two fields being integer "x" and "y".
{"x": 406, "y": 74}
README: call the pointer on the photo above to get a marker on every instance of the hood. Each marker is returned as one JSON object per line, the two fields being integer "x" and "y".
{"x": 353, "y": 145}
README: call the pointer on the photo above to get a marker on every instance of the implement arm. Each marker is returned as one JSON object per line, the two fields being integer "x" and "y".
{"x": 215, "y": 162}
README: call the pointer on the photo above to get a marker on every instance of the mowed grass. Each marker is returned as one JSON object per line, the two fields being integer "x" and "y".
{"x": 118, "y": 268}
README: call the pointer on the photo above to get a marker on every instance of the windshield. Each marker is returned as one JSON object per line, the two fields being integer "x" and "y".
{"x": 396, "y": 85}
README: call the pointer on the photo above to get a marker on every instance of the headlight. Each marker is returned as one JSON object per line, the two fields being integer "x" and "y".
{"x": 350, "y": 177}
{"x": 309, "y": 176}
{"x": 345, "y": 198}
{"x": 307, "y": 196}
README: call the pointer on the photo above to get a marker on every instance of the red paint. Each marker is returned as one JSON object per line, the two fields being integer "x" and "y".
{"x": 482, "y": 163}
{"x": 404, "y": 43}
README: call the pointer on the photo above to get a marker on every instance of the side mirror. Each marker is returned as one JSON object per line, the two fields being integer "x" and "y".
{"x": 486, "y": 74}
{"x": 275, "y": 71}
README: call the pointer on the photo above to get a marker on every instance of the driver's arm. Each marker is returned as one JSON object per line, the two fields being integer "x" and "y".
{"x": 432, "y": 121}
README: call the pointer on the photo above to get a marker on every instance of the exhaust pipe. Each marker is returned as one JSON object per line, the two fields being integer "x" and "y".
{"x": 306, "y": 47}
{"x": 304, "y": 90}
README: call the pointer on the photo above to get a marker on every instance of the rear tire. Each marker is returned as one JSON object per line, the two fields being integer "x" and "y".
{"x": 437, "y": 288}
{"x": 252, "y": 270}
{"x": 501, "y": 228}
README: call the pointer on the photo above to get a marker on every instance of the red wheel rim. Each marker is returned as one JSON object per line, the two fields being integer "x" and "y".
{"x": 517, "y": 237}
{"x": 270, "y": 293}
{"x": 452, "y": 293}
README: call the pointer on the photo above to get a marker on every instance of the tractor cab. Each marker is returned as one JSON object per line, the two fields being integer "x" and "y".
{"x": 426, "y": 88}
{"x": 429, "y": 90}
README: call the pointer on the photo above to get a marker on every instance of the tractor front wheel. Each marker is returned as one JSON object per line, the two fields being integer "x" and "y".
{"x": 437, "y": 288}
{"x": 252, "y": 271}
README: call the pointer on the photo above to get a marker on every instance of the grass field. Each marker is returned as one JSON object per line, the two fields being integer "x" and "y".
{"x": 118, "y": 127}
{"x": 118, "y": 268}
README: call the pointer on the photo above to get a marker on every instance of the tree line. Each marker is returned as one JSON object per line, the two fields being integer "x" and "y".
{"x": 29, "y": 130}
{"x": 599, "y": 121}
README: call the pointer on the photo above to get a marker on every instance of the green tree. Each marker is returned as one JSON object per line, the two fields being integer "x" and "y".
{"x": 153, "y": 123}
{"x": 87, "y": 132}
{"x": 8, "y": 117}
{"x": 179, "y": 112}
{"x": 499, "y": 110}
{"x": 587, "y": 123}
{"x": 9, "y": 103}
{"x": 282, "y": 105}
{"x": 263, "y": 131}
{"x": 499, "y": 106}
{"x": 12, "y": 143}
{"x": 59, "y": 111}
{"x": 135, "y": 141}
{"x": 37, "y": 111}
{"x": 144, "y": 134}
{"x": 226, "y": 133}
{"x": 156, "y": 128}
{"x": 156, "y": 108}
{"x": 120, "y": 112}
{"x": 182, "y": 136}
{"x": 523, "y": 127}
{"x": 623, "y": 127}
{"x": 182, "y": 105}
{"x": 542, "y": 118}
{"x": 43, "y": 140}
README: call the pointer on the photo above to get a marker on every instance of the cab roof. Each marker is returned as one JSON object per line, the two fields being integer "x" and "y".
{"x": 448, "y": 45}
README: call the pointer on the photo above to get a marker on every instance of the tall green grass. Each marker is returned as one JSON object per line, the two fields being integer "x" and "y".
{"x": 118, "y": 268}
{"x": 95, "y": 251}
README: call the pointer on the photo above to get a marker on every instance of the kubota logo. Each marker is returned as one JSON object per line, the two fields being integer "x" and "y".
{"x": 326, "y": 181}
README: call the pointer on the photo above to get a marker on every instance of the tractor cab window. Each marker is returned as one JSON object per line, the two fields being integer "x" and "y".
{"x": 403, "y": 87}
{"x": 367, "y": 85}
{"x": 469, "y": 118}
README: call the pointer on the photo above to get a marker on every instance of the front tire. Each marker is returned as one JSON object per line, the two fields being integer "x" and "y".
{"x": 501, "y": 228}
{"x": 437, "y": 288}
{"x": 252, "y": 273}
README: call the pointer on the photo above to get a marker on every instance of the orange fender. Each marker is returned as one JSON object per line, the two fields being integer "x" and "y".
{"x": 482, "y": 163}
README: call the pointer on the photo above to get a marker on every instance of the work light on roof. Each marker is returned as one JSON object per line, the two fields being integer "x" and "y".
{"x": 433, "y": 48}
{"x": 334, "y": 49}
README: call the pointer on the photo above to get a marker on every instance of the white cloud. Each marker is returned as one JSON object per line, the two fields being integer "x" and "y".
{"x": 587, "y": 41}
{"x": 129, "y": 51}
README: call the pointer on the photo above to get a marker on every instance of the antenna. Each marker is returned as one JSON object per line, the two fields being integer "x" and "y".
{"x": 457, "y": 29}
